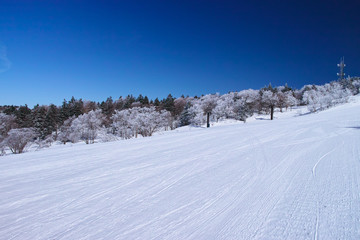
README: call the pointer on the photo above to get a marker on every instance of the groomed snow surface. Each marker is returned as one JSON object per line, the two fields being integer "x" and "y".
{"x": 296, "y": 177}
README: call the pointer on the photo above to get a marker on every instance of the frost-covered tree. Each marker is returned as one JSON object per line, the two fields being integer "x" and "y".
{"x": 338, "y": 93}
{"x": 281, "y": 100}
{"x": 286, "y": 99}
{"x": 313, "y": 100}
{"x": 356, "y": 85}
{"x": 269, "y": 100}
{"x": 196, "y": 113}
{"x": 318, "y": 98}
{"x": 224, "y": 108}
{"x": 7, "y": 122}
{"x": 208, "y": 103}
{"x": 241, "y": 111}
{"x": 68, "y": 133}
{"x": 121, "y": 123}
{"x": 251, "y": 99}
{"x": 148, "y": 120}
{"x": 290, "y": 100}
{"x": 88, "y": 125}
{"x": 19, "y": 138}
{"x": 144, "y": 121}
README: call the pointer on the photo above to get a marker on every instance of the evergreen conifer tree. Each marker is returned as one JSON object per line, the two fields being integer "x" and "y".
{"x": 168, "y": 104}
{"x": 53, "y": 120}
{"x": 156, "y": 102}
{"x": 185, "y": 116}
{"x": 24, "y": 117}
{"x": 39, "y": 121}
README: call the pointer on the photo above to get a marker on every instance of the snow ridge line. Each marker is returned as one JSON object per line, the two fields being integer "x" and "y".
{"x": 316, "y": 235}
{"x": 314, "y": 168}
{"x": 317, "y": 220}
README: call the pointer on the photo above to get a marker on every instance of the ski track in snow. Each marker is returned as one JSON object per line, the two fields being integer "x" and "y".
{"x": 291, "y": 178}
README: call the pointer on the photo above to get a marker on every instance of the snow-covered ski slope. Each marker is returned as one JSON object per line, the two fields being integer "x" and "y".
{"x": 291, "y": 178}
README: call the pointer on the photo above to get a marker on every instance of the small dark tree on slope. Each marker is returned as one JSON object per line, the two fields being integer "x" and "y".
{"x": 269, "y": 100}
{"x": 208, "y": 103}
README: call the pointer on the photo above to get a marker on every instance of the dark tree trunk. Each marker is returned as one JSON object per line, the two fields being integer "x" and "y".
{"x": 272, "y": 112}
{"x": 208, "y": 120}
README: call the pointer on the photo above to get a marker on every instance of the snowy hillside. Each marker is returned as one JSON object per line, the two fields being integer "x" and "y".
{"x": 297, "y": 177}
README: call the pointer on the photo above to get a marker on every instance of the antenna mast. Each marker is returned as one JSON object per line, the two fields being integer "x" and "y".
{"x": 341, "y": 65}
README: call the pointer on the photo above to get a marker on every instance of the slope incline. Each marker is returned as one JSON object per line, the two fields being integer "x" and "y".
{"x": 291, "y": 178}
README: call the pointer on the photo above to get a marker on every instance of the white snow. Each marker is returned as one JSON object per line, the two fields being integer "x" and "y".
{"x": 296, "y": 177}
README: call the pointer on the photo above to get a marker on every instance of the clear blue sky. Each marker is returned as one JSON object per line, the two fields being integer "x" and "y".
{"x": 51, "y": 50}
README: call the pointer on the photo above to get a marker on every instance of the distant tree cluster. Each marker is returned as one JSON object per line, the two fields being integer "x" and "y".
{"x": 318, "y": 98}
{"x": 79, "y": 120}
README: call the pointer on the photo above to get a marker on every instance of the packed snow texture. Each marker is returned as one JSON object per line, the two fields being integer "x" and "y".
{"x": 296, "y": 177}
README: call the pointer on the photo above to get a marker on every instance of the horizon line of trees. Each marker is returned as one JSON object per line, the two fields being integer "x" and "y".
{"x": 78, "y": 120}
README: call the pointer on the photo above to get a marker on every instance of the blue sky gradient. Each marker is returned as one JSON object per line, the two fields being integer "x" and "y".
{"x": 51, "y": 50}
